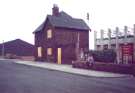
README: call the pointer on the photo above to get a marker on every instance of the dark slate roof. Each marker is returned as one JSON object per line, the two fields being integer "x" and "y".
{"x": 65, "y": 21}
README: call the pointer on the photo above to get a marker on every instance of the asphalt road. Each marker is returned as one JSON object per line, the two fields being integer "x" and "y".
{"x": 17, "y": 78}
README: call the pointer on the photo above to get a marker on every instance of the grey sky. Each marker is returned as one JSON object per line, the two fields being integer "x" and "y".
{"x": 19, "y": 18}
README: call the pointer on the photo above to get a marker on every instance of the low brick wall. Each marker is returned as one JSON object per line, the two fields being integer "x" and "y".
{"x": 109, "y": 67}
{"x": 27, "y": 58}
{"x": 133, "y": 69}
{"x": 79, "y": 64}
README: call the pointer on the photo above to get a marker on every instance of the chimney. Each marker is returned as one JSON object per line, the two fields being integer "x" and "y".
{"x": 55, "y": 10}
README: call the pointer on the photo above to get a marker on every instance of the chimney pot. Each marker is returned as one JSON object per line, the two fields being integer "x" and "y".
{"x": 55, "y": 10}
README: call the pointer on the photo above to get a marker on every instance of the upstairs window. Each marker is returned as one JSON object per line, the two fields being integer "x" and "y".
{"x": 49, "y": 33}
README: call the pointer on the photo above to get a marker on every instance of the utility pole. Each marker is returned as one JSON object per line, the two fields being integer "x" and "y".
{"x": 90, "y": 34}
{"x": 3, "y": 49}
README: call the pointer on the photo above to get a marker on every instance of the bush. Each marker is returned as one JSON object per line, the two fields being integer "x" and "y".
{"x": 104, "y": 56}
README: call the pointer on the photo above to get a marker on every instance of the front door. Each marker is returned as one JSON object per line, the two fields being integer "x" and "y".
{"x": 59, "y": 56}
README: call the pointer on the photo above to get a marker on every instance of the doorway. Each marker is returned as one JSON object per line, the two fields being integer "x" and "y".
{"x": 59, "y": 55}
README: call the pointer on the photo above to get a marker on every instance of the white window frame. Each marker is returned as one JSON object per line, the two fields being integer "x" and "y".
{"x": 49, "y": 33}
{"x": 49, "y": 51}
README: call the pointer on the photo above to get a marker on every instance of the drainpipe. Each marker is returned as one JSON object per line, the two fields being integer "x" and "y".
{"x": 77, "y": 46}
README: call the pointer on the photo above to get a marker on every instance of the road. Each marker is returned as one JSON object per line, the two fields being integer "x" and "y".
{"x": 17, "y": 78}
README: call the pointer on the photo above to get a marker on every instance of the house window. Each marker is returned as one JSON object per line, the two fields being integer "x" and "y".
{"x": 49, "y": 33}
{"x": 49, "y": 51}
{"x": 39, "y": 49}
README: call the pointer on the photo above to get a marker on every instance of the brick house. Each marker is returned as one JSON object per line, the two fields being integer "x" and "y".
{"x": 56, "y": 37}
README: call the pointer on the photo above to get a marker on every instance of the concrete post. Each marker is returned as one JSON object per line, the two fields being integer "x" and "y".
{"x": 95, "y": 40}
{"x": 117, "y": 45}
{"x": 109, "y": 38}
{"x": 134, "y": 44}
{"x": 125, "y": 34}
{"x": 102, "y": 37}
{"x": 125, "y": 42}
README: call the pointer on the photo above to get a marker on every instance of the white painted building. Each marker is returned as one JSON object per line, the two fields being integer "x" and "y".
{"x": 122, "y": 42}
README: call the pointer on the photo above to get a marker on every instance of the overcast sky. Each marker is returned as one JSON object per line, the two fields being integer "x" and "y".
{"x": 19, "y": 18}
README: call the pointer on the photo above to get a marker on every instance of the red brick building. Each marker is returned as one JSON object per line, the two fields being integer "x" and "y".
{"x": 56, "y": 37}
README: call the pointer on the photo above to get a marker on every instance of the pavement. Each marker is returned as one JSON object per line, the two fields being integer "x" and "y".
{"x": 69, "y": 69}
